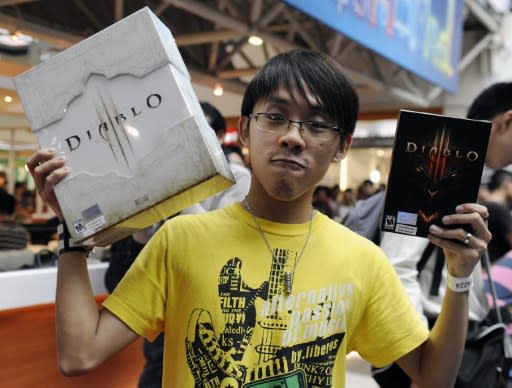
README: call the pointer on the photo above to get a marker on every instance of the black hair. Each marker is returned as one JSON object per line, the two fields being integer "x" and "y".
{"x": 499, "y": 178}
{"x": 493, "y": 101}
{"x": 320, "y": 188}
{"x": 214, "y": 117}
{"x": 7, "y": 203}
{"x": 324, "y": 78}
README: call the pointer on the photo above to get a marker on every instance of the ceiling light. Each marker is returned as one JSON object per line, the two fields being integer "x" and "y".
{"x": 8, "y": 99}
{"x": 255, "y": 40}
{"x": 15, "y": 42}
{"x": 375, "y": 176}
{"x": 218, "y": 90}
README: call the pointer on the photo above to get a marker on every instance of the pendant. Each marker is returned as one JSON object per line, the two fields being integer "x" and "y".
{"x": 287, "y": 282}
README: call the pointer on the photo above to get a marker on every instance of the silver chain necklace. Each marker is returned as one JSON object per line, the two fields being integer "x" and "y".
{"x": 287, "y": 275}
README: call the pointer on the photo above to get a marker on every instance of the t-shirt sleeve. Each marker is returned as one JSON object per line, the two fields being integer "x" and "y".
{"x": 139, "y": 299}
{"x": 390, "y": 327}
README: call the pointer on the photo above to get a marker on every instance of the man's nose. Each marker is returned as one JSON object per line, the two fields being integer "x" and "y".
{"x": 293, "y": 136}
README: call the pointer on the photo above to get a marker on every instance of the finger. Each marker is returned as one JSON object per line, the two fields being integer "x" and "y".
{"x": 458, "y": 234}
{"x": 48, "y": 174}
{"x": 458, "y": 240}
{"x": 478, "y": 225}
{"x": 56, "y": 176}
{"x": 38, "y": 158}
{"x": 474, "y": 207}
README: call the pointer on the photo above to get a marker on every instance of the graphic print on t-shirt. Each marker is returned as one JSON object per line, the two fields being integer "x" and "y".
{"x": 269, "y": 338}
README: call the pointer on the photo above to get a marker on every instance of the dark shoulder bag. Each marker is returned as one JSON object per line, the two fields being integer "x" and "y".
{"x": 487, "y": 353}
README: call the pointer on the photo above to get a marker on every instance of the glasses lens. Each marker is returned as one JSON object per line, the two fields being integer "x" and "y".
{"x": 270, "y": 122}
{"x": 318, "y": 130}
{"x": 313, "y": 130}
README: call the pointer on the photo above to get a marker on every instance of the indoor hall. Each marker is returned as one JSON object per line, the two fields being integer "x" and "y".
{"x": 427, "y": 56}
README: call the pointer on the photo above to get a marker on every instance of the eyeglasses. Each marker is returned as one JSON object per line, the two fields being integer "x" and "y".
{"x": 275, "y": 122}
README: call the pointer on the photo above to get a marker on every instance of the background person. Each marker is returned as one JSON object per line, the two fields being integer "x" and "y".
{"x": 497, "y": 201}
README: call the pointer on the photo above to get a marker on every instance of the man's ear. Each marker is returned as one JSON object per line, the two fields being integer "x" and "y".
{"x": 243, "y": 130}
{"x": 343, "y": 148}
{"x": 507, "y": 119}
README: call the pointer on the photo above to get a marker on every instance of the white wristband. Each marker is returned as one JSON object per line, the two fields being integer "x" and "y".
{"x": 459, "y": 284}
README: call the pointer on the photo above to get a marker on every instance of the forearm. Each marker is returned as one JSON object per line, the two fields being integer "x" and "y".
{"x": 77, "y": 314}
{"x": 442, "y": 352}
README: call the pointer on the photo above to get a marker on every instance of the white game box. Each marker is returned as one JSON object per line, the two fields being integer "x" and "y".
{"x": 120, "y": 106}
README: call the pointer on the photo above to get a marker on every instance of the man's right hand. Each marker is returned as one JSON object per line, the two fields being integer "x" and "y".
{"x": 47, "y": 170}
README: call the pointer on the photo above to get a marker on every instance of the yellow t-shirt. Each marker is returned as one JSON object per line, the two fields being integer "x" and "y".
{"x": 210, "y": 282}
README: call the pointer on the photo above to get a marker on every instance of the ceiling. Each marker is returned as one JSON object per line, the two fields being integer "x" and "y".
{"x": 212, "y": 38}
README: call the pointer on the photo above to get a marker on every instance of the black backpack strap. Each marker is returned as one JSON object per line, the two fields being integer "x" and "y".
{"x": 438, "y": 272}
{"x": 424, "y": 257}
{"x": 438, "y": 268}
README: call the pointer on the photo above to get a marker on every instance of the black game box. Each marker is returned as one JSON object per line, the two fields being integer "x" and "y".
{"x": 436, "y": 165}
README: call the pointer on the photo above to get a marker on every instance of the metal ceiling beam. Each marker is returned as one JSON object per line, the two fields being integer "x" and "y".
{"x": 481, "y": 14}
{"x": 380, "y": 86}
{"x": 201, "y": 78}
{"x": 335, "y": 45}
{"x": 87, "y": 12}
{"x": 301, "y": 32}
{"x": 237, "y": 73}
{"x": 55, "y": 37}
{"x": 255, "y": 14}
{"x": 469, "y": 57}
{"x": 212, "y": 56}
{"x": 271, "y": 14}
{"x": 118, "y": 10}
{"x": 160, "y": 8}
{"x": 208, "y": 13}
{"x": 5, "y": 3}
{"x": 236, "y": 47}
{"x": 197, "y": 8}
{"x": 205, "y": 37}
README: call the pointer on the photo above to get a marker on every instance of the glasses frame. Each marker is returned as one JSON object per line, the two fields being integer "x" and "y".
{"x": 333, "y": 128}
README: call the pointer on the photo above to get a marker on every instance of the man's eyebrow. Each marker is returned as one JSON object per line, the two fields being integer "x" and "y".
{"x": 313, "y": 109}
{"x": 278, "y": 100}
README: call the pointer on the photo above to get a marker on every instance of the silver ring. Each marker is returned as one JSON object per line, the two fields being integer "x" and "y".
{"x": 467, "y": 238}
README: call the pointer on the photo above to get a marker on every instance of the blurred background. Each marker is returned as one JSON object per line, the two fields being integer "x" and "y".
{"x": 427, "y": 55}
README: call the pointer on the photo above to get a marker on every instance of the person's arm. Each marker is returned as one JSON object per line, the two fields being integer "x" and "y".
{"x": 85, "y": 336}
{"x": 435, "y": 363}
{"x": 403, "y": 253}
{"x": 508, "y": 237}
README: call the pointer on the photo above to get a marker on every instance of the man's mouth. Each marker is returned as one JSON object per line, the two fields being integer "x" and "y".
{"x": 288, "y": 162}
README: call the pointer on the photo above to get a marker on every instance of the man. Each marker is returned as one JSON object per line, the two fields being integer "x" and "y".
{"x": 3, "y": 180}
{"x": 263, "y": 292}
{"x": 12, "y": 235}
{"x": 14, "y": 238}
{"x": 498, "y": 202}
{"x": 404, "y": 252}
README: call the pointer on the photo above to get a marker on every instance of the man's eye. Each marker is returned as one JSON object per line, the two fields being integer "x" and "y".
{"x": 274, "y": 117}
{"x": 318, "y": 125}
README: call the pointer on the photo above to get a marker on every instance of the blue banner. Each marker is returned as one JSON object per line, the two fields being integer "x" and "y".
{"x": 422, "y": 36}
